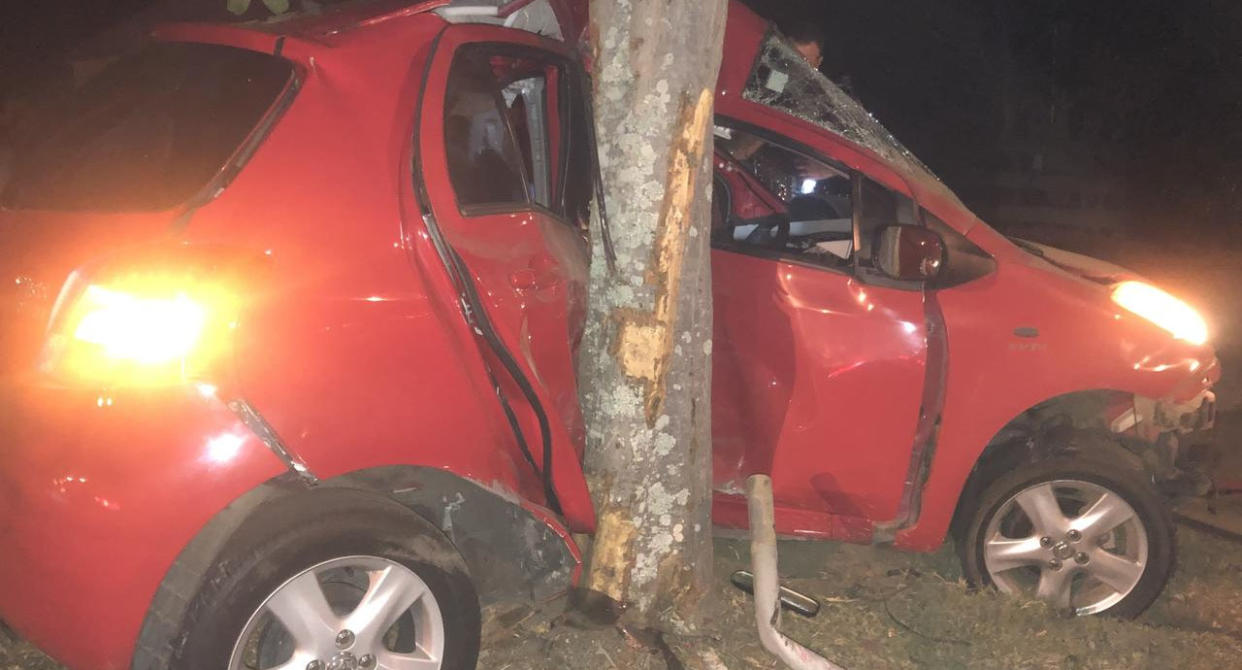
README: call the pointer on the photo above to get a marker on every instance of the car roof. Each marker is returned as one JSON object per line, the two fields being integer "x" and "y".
{"x": 746, "y": 32}
{"x": 339, "y": 18}
{"x": 347, "y": 16}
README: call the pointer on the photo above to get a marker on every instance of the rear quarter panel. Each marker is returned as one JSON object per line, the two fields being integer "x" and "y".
{"x": 353, "y": 349}
{"x": 99, "y": 492}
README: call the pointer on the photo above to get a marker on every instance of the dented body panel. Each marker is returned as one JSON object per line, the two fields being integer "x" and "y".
{"x": 1085, "y": 343}
{"x": 351, "y": 351}
{"x": 872, "y": 437}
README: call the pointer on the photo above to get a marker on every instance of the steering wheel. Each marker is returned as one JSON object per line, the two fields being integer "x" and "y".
{"x": 828, "y": 236}
{"x": 770, "y": 231}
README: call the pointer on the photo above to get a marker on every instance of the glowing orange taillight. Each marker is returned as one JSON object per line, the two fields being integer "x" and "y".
{"x": 139, "y": 330}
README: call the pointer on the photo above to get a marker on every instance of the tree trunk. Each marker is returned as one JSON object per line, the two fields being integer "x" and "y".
{"x": 646, "y": 364}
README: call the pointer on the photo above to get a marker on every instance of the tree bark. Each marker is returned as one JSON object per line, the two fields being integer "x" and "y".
{"x": 646, "y": 364}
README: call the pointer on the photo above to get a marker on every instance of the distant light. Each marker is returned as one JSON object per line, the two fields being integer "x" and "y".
{"x": 808, "y": 186}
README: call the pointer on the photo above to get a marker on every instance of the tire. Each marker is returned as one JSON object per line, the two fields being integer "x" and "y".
{"x": 343, "y": 543}
{"x": 1079, "y": 560}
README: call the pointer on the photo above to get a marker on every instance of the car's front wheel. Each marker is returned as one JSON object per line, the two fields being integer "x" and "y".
{"x": 345, "y": 583}
{"x": 1085, "y": 534}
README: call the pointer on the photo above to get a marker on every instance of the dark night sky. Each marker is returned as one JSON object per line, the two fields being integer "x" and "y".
{"x": 1149, "y": 92}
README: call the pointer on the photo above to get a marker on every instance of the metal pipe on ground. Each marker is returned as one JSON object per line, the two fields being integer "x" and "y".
{"x": 763, "y": 559}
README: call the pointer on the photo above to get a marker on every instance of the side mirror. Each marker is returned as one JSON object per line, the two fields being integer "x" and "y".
{"x": 908, "y": 253}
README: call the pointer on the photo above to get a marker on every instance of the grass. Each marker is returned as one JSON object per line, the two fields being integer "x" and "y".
{"x": 885, "y": 609}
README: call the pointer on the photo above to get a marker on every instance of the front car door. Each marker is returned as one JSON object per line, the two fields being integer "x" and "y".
{"x": 507, "y": 178}
{"x": 820, "y": 363}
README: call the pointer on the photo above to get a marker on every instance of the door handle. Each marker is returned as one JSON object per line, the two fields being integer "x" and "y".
{"x": 524, "y": 279}
{"x": 547, "y": 271}
{"x": 542, "y": 273}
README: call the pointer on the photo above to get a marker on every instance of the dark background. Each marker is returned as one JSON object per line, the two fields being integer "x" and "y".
{"x": 1085, "y": 124}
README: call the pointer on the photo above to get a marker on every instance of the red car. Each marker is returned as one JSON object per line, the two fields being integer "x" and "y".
{"x": 290, "y": 313}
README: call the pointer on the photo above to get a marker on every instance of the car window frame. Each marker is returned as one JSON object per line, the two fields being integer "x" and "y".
{"x": 794, "y": 146}
{"x": 853, "y": 269}
{"x": 569, "y": 68}
{"x": 572, "y": 81}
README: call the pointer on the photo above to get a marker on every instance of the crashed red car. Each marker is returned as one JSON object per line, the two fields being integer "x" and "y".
{"x": 290, "y": 312}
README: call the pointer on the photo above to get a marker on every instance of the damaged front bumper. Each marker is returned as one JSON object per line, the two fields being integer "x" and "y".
{"x": 1176, "y": 441}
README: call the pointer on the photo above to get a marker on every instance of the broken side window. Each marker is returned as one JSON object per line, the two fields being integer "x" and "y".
{"x": 782, "y": 79}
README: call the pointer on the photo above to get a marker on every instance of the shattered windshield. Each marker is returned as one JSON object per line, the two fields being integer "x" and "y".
{"x": 782, "y": 79}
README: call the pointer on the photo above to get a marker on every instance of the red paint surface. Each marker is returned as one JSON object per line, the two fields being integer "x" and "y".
{"x": 531, "y": 268}
{"x": 825, "y": 398}
{"x": 1085, "y": 343}
{"x": 818, "y": 379}
{"x": 351, "y": 345}
{"x": 99, "y": 492}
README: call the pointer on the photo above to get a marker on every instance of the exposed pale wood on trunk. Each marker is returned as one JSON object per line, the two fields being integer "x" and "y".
{"x": 646, "y": 360}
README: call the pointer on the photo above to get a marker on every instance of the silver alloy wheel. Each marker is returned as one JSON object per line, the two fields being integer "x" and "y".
{"x": 350, "y": 613}
{"x": 1072, "y": 543}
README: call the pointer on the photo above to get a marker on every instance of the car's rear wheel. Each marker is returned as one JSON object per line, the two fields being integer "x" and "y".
{"x": 1086, "y": 535}
{"x": 343, "y": 582}
{"x": 354, "y": 611}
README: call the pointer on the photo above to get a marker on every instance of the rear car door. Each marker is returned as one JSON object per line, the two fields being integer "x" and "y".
{"x": 507, "y": 172}
{"x": 820, "y": 363}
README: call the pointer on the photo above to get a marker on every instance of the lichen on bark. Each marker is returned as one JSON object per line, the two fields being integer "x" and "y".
{"x": 645, "y": 362}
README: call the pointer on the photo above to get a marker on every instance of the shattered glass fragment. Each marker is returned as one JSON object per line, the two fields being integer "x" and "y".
{"x": 782, "y": 79}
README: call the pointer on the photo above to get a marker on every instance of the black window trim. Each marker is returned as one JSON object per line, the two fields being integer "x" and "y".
{"x": 228, "y": 172}
{"x": 965, "y": 261}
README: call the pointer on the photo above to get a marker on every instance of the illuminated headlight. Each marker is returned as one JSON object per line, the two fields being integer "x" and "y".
{"x": 1162, "y": 309}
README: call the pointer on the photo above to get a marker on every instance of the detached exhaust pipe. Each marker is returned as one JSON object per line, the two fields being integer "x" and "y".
{"x": 767, "y": 581}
